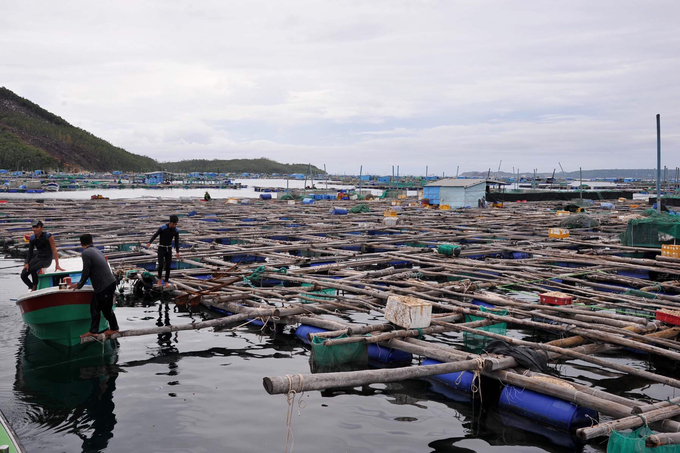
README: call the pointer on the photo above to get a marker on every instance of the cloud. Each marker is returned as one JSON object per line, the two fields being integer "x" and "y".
{"x": 433, "y": 83}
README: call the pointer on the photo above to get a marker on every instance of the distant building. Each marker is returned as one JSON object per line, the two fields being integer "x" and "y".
{"x": 383, "y": 179}
{"x": 457, "y": 193}
{"x": 157, "y": 177}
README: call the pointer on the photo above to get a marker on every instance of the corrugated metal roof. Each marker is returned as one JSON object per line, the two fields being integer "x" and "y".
{"x": 453, "y": 182}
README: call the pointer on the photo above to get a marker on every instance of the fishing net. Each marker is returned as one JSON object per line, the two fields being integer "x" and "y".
{"x": 290, "y": 196}
{"x": 634, "y": 442}
{"x": 321, "y": 294}
{"x": 359, "y": 208}
{"x": 339, "y": 354}
{"x": 579, "y": 221}
{"x": 476, "y": 344}
{"x": 652, "y": 231}
{"x": 448, "y": 249}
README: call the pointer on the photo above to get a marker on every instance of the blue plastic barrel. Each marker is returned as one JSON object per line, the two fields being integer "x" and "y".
{"x": 547, "y": 409}
{"x": 307, "y": 200}
{"x": 303, "y": 330}
{"x": 387, "y": 355}
{"x": 460, "y": 380}
{"x": 481, "y": 303}
{"x": 265, "y": 196}
{"x": 338, "y": 211}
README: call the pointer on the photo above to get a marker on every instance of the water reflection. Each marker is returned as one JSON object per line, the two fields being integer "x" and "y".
{"x": 69, "y": 389}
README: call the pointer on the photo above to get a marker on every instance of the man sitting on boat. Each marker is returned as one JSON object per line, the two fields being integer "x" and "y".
{"x": 45, "y": 251}
{"x": 98, "y": 271}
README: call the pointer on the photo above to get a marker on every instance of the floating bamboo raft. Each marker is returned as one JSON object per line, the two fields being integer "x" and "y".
{"x": 294, "y": 264}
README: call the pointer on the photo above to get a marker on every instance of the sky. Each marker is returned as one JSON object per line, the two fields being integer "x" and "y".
{"x": 439, "y": 85}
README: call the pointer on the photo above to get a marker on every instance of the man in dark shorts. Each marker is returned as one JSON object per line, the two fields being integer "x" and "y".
{"x": 167, "y": 233}
{"x": 96, "y": 268}
{"x": 45, "y": 250}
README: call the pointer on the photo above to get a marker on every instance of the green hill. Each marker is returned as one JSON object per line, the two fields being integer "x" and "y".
{"x": 33, "y": 138}
{"x": 261, "y": 165}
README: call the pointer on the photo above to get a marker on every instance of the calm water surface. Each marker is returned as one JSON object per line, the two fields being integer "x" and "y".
{"x": 201, "y": 391}
{"x": 248, "y": 192}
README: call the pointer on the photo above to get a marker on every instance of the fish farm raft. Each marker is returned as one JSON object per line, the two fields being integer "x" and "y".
{"x": 488, "y": 305}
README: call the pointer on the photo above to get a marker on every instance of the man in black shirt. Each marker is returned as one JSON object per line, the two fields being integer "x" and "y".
{"x": 45, "y": 251}
{"x": 167, "y": 233}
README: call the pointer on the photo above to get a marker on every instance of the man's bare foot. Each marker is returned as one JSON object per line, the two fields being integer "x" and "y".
{"x": 88, "y": 334}
{"x": 109, "y": 332}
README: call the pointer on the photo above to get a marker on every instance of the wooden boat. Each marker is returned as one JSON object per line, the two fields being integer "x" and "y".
{"x": 8, "y": 437}
{"x": 55, "y": 313}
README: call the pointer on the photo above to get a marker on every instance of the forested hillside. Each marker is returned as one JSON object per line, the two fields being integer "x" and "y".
{"x": 238, "y": 166}
{"x": 33, "y": 138}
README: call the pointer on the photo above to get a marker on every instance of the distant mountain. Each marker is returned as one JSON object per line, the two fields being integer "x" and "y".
{"x": 647, "y": 174}
{"x": 33, "y": 138}
{"x": 261, "y": 165}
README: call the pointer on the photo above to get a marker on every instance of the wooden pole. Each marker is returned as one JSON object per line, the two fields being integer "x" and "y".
{"x": 302, "y": 383}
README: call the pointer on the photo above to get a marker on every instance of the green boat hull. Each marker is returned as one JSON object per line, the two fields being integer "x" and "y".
{"x": 59, "y": 316}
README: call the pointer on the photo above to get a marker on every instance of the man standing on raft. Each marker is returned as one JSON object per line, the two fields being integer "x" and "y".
{"x": 97, "y": 270}
{"x": 167, "y": 233}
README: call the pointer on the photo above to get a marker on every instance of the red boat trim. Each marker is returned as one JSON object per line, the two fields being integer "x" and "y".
{"x": 56, "y": 300}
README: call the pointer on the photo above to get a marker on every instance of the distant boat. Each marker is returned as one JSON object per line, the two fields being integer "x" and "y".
{"x": 52, "y": 187}
{"x": 55, "y": 314}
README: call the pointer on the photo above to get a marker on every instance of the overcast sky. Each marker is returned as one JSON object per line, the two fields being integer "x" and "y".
{"x": 349, "y": 83}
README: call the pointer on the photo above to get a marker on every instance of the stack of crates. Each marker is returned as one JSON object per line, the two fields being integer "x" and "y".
{"x": 559, "y": 233}
{"x": 672, "y": 251}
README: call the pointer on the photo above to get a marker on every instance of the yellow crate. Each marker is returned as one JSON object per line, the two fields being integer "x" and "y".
{"x": 444, "y": 207}
{"x": 559, "y": 233}
{"x": 561, "y": 213}
{"x": 389, "y": 212}
{"x": 672, "y": 251}
{"x": 396, "y": 203}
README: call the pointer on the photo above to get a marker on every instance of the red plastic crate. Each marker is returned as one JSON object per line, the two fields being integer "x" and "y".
{"x": 667, "y": 318}
{"x": 553, "y": 300}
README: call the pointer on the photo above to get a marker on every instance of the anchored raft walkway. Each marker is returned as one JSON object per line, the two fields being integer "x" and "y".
{"x": 272, "y": 263}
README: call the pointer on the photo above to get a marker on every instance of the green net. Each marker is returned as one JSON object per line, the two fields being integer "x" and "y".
{"x": 320, "y": 294}
{"x": 448, "y": 249}
{"x": 339, "y": 354}
{"x": 359, "y": 208}
{"x": 477, "y": 343}
{"x": 634, "y": 442}
{"x": 652, "y": 231}
{"x": 289, "y": 196}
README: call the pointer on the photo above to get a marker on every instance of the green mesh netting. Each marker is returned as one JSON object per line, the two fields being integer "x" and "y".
{"x": 359, "y": 208}
{"x": 339, "y": 354}
{"x": 448, "y": 249}
{"x": 652, "y": 231}
{"x": 477, "y": 343}
{"x": 320, "y": 294}
{"x": 289, "y": 196}
{"x": 634, "y": 442}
